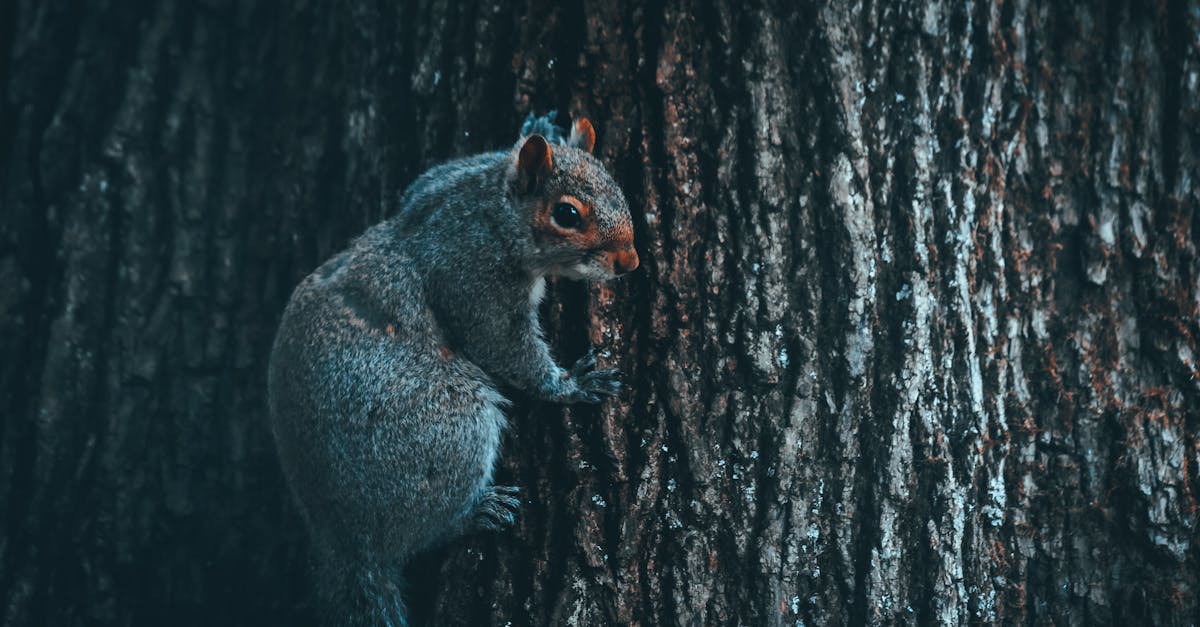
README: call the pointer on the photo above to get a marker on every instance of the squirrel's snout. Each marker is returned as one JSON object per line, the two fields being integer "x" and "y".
{"x": 625, "y": 261}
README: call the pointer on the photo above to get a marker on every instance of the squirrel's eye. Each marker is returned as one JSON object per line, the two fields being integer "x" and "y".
{"x": 566, "y": 216}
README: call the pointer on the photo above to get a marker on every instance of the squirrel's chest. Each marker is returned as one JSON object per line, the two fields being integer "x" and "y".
{"x": 538, "y": 292}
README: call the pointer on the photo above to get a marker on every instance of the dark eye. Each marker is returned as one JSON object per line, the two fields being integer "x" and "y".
{"x": 566, "y": 216}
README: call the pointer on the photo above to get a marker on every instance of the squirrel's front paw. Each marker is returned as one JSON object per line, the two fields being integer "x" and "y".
{"x": 497, "y": 508}
{"x": 591, "y": 385}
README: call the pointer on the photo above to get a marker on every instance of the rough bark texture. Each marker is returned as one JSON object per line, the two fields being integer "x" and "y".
{"x": 915, "y": 339}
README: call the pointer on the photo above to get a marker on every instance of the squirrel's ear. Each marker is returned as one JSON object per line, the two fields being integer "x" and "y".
{"x": 534, "y": 161}
{"x": 583, "y": 136}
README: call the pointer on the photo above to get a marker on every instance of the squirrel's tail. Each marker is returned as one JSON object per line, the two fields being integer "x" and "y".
{"x": 545, "y": 127}
{"x": 382, "y": 597}
{"x": 361, "y": 596}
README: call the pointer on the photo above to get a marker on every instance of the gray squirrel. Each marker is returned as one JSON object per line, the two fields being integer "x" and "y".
{"x": 383, "y": 380}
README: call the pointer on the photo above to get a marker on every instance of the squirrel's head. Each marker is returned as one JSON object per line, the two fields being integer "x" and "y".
{"x": 577, "y": 215}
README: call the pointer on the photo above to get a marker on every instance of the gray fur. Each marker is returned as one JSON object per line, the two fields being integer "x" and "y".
{"x": 543, "y": 126}
{"x": 383, "y": 378}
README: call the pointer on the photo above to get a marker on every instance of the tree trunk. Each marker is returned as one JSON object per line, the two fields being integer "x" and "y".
{"x": 915, "y": 337}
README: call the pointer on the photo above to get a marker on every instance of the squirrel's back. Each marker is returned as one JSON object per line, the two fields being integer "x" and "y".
{"x": 447, "y": 182}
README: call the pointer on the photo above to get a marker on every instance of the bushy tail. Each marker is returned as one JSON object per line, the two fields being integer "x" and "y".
{"x": 357, "y": 596}
{"x": 545, "y": 127}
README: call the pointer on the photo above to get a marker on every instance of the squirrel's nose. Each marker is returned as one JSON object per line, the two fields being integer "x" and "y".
{"x": 625, "y": 261}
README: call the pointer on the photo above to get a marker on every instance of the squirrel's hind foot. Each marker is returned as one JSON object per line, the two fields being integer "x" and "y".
{"x": 497, "y": 508}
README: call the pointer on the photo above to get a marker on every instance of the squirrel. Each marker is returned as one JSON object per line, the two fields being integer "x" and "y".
{"x": 384, "y": 378}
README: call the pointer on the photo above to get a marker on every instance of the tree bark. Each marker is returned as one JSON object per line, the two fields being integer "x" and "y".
{"x": 914, "y": 340}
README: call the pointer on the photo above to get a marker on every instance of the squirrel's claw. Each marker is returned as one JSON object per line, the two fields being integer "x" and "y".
{"x": 599, "y": 384}
{"x": 591, "y": 385}
{"x": 583, "y": 383}
{"x": 497, "y": 508}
